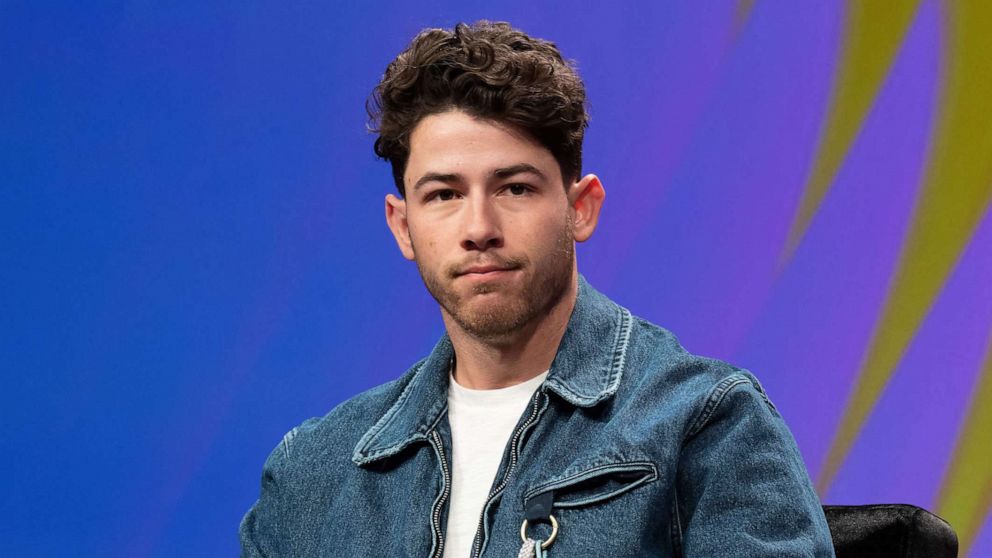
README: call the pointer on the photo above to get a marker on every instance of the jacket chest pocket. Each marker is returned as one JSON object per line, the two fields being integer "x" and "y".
{"x": 596, "y": 484}
{"x": 602, "y": 510}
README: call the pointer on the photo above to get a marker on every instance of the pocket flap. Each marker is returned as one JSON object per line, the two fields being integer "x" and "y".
{"x": 595, "y": 484}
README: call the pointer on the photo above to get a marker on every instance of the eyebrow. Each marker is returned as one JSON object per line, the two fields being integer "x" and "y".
{"x": 504, "y": 172}
{"x": 519, "y": 168}
{"x": 447, "y": 178}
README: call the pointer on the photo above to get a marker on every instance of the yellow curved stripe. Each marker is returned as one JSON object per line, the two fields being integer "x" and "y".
{"x": 873, "y": 32}
{"x": 966, "y": 492}
{"x": 956, "y": 191}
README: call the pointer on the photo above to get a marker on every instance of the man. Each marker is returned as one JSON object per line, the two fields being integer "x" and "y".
{"x": 547, "y": 420}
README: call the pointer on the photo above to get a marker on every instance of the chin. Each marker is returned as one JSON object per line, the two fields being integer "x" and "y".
{"x": 495, "y": 316}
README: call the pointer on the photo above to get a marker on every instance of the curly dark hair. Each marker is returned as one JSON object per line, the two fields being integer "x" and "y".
{"x": 488, "y": 70}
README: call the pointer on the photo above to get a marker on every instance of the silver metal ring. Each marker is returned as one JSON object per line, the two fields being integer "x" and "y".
{"x": 551, "y": 539}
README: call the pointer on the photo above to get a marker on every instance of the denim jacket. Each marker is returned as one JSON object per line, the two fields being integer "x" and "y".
{"x": 635, "y": 446}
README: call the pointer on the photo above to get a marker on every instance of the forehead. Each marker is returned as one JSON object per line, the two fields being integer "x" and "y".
{"x": 455, "y": 142}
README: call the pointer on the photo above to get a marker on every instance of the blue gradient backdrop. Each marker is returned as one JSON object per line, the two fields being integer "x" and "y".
{"x": 194, "y": 257}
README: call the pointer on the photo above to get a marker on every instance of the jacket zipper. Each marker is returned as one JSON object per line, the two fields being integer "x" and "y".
{"x": 445, "y": 491}
{"x": 514, "y": 452}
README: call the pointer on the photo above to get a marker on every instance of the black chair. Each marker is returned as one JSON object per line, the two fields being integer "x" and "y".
{"x": 889, "y": 530}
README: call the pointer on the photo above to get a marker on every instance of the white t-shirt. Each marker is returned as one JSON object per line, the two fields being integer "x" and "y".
{"x": 482, "y": 421}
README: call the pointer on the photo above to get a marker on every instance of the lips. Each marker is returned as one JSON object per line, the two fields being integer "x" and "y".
{"x": 480, "y": 269}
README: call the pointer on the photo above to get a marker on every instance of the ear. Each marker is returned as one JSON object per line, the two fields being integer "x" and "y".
{"x": 396, "y": 219}
{"x": 586, "y": 199}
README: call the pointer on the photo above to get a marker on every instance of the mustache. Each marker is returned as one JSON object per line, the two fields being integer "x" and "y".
{"x": 502, "y": 262}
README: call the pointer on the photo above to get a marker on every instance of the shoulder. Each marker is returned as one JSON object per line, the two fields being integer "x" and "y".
{"x": 700, "y": 386}
{"x": 332, "y": 437}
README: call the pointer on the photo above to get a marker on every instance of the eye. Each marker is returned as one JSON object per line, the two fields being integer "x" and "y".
{"x": 518, "y": 189}
{"x": 446, "y": 194}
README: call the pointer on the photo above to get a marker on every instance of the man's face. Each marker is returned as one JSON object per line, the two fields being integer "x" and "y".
{"x": 489, "y": 222}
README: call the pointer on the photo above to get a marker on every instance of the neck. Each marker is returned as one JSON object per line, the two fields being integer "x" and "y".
{"x": 515, "y": 358}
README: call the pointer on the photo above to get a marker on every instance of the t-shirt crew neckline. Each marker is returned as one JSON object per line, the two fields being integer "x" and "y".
{"x": 461, "y": 393}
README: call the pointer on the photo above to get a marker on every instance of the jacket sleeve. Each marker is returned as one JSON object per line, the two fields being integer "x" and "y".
{"x": 264, "y": 528}
{"x": 742, "y": 488}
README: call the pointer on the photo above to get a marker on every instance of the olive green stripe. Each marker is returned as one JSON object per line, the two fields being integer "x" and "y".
{"x": 956, "y": 192}
{"x": 962, "y": 501}
{"x": 873, "y": 33}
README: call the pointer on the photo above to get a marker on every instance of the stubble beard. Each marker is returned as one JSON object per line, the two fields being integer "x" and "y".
{"x": 498, "y": 321}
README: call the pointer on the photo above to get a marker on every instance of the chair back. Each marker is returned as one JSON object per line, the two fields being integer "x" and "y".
{"x": 889, "y": 531}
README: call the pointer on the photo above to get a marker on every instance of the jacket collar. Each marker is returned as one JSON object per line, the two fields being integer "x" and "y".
{"x": 585, "y": 372}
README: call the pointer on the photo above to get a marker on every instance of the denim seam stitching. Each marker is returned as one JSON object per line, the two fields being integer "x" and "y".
{"x": 620, "y": 351}
{"x": 677, "y": 522}
{"x": 361, "y": 454}
{"x": 287, "y": 439}
{"x": 713, "y": 402}
{"x": 760, "y": 389}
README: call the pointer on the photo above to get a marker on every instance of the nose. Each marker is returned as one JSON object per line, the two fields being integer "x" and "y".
{"x": 481, "y": 229}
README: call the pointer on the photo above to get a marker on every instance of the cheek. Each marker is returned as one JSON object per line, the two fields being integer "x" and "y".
{"x": 426, "y": 239}
{"x": 544, "y": 234}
